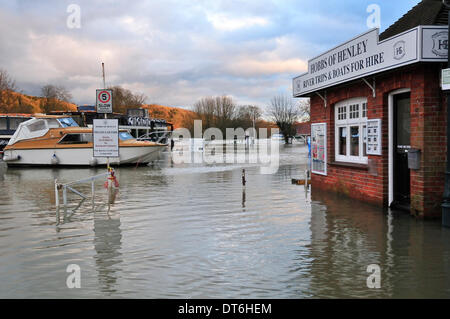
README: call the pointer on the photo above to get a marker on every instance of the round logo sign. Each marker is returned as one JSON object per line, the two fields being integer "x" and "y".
{"x": 104, "y": 97}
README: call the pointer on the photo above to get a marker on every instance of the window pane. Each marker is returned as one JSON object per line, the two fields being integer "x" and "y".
{"x": 342, "y": 141}
{"x": 354, "y": 111}
{"x": 341, "y": 113}
{"x": 3, "y": 123}
{"x": 354, "y": 141}
{"x": 37, "y": 126}
{"x": 68, "y": 122}
{"x": 364, "y": 140}
{"x": 14, "y": 123}
{"x": 124, "y": 136}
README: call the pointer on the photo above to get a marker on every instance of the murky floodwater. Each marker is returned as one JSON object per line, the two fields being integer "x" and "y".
{"x": 193, "y": 231}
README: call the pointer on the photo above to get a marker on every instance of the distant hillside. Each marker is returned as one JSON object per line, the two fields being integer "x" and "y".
{"x": 177, "y": 116}
{"x": 14, "y": 102}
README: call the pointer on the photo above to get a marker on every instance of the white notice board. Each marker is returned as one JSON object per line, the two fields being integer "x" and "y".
{"x": 106, "y": 138}
{"x": 319, "y": 148}
{"x": 373, "y": 145}
{"x": 445, "y": 79}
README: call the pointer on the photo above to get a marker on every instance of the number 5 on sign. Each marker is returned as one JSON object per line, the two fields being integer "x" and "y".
{"x": 104, "y": 101}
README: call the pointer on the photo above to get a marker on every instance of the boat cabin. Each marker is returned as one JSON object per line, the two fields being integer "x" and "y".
{"x": 70, "y": 133}
{"x": 8, "y": 125}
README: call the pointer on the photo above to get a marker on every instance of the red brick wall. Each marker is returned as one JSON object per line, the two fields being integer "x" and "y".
{"x": 428, "y": 133}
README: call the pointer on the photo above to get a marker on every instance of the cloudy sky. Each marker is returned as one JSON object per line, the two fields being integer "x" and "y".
{"x": 177, "y": 51}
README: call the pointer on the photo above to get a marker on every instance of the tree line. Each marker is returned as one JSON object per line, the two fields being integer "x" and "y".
{"x": 222, "y": 112}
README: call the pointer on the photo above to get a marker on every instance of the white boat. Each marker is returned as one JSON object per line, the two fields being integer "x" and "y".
{"x": 59, "y": 141}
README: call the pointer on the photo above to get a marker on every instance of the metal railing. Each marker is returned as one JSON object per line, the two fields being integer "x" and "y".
{"x": 157, "y": 137}
{"x": 70, "y": 187}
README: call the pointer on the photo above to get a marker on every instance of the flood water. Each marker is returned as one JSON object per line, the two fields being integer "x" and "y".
{"x": 193, "y": 231}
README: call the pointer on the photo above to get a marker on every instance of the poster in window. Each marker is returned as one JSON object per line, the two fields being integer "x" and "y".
{"x": 373, "y": 144}
{"x": 319, "y": 148}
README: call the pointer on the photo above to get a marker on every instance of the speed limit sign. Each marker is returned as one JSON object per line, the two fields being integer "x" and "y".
{"x": 104, "y": 101}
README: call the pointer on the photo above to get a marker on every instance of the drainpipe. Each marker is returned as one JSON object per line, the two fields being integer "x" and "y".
{"x": 446, "y": 203}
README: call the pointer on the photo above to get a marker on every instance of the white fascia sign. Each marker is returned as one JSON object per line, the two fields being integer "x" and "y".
{"x": 365, "y": 55}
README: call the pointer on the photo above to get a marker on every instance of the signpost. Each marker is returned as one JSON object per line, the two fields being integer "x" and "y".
{"x": 106, "y": 138}
{"x": 104, "y": 101}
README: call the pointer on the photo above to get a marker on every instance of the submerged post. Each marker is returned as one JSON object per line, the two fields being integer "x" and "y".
{"x": 93, "y": 194}
{"x": 57, "y": 201}
{"x": 65, "y": 200}
{"x": 56, "y": 194}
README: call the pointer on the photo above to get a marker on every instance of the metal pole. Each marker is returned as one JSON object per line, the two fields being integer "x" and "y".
{"x": 93, "y": 194}
{"x": 57, "y": 201}
{"x": 65, "y": 200}
{"x": 56, "y": 194}
{"x": 106, "y": 115}
{"x": 103, "y": 72}
{"x": 446, "y": 202}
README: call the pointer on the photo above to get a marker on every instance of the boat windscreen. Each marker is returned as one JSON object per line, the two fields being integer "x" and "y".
{"x": 68, "y": 122}
{"x": 125, "y": 136}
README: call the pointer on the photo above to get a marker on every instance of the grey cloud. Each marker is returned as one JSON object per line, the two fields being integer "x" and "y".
{"x": 169, "y": 50}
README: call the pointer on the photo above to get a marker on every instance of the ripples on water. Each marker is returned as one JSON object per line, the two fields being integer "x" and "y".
{"x": 193, "y": 231}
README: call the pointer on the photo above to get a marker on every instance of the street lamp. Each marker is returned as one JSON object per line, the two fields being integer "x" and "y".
{"x": 446, "y": 202}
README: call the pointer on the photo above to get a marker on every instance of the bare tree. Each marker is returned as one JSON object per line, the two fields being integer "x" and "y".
{"x": 305, "y": 110}
{"x": 247, "y": 116}
{"x": 205, "y": 109}
{"x": 285, "y": 114}
{"x": 124, "y": 99}
{"x": 225, "y": 111}
{"x": 216, "y": 112}
{"x": 7, "y": 89}
{"x": 54, "y": 95}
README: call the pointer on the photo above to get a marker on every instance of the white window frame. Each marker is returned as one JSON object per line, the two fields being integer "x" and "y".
{"x": 347, "y": 123}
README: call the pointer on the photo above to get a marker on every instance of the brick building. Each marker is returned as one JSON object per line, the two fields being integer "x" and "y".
{"x": 376, "y": 101}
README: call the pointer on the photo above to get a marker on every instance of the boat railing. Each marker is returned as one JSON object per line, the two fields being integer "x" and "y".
{"x": 161, "y": 137}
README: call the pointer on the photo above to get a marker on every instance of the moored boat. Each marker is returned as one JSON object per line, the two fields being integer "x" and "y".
{"x": 59, "y": 141}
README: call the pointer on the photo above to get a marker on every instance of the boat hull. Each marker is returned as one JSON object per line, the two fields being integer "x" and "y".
{"x": 81, "y": 156}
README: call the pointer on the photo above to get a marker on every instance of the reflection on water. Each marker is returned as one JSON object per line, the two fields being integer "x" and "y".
{"x": 107, "y": 243}
{"x": 414, "y": 256}
{"x": 194, "y": 231}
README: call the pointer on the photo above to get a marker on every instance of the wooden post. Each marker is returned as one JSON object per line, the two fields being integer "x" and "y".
{"x": 56, "y": 194}
{"x": 93, "y": 194}
{"x": 57, "y": 201}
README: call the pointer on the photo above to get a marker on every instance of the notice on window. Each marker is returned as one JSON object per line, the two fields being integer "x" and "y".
{"x": 106, "y": 138}
{"x": 319, "y": 148}
{"x": 373, "y": 145}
